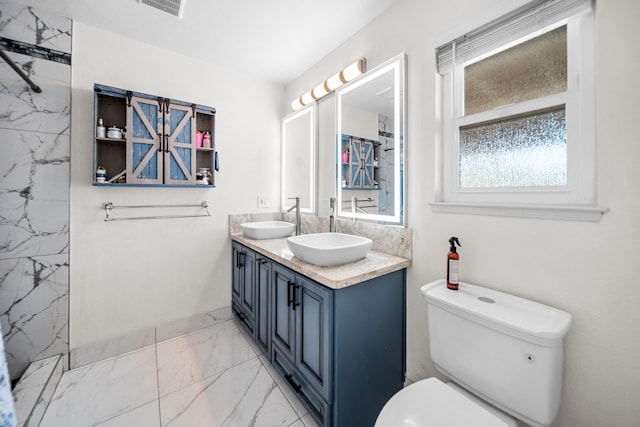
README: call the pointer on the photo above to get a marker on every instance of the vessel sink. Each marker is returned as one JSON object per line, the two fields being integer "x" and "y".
{"x": 326, "y": 249}
{"x": 261, "y": 230}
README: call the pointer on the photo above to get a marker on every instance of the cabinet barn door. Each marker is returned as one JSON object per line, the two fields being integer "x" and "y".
{"x": 367, "y": 164}
{"x": 144, "y": 141}
{"x": 355, "y": 163}
{"x": 180, "y": 155}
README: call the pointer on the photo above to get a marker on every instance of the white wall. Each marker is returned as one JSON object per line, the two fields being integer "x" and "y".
{"x": 130, "y": 275}
{"x": 588, "y": 269}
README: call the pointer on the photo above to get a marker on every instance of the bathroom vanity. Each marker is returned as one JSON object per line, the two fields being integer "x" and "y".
{"x": 335, "y": 334}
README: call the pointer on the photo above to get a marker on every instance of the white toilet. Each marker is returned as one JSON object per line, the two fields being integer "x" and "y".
{"x": 503, "y": 353}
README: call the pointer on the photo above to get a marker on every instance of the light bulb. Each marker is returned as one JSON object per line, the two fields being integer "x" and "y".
{"x": 353, "y": 70}
{"x": 334, "y": 82}
{"x": 307, "y": 98}
{"x": 319, "y": 91}
{"x": 296, "y": 104}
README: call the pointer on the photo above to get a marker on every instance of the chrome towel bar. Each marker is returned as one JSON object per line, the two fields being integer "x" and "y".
{"x": 108, "y": 206}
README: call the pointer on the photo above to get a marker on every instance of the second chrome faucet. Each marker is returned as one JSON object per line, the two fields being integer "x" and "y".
{"x": 297, "y": 208}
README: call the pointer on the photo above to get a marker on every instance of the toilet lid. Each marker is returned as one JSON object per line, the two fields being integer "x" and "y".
{"x": 431, "y": 403}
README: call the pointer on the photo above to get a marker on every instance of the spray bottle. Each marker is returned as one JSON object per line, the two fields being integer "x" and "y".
{"x": 453, "y": 259}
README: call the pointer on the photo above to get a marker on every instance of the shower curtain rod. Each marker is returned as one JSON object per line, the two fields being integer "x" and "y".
{"x": 26, "y": 78}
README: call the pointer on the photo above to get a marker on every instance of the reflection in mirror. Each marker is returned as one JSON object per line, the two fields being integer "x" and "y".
{"x": 370, "y": 148}
{"x": 299, "y": 142}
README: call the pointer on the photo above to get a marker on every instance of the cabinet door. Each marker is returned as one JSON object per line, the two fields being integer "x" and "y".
{"x": 248, "y": 267}
{"x": 313, "y": 327}
{"x": 355, "y": 163}
{"x": 367, "y": 164}
{"x": 144, "y": 141}
{"x": 243, "y": 285}
{"x": 180, "y": 150}
{"x": 263, "y": 291}
{"x": 236, "y": 272}
{"x": 283, "y": 320}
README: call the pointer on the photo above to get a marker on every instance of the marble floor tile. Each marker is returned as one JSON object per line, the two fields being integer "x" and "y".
{"x": 35, "y": 389}
{"x": 96, "y": 393}
{"x": 144, "y": 416}
{"x": 190, "y": 358}
{"x": 105, "y": 349}
{"x": 244, "y": 395}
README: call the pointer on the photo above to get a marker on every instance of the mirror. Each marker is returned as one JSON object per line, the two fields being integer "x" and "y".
{"x": 299, "y": 142}
{"x": 370, "y": 148}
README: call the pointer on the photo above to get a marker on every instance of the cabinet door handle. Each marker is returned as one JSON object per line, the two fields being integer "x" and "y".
{"x": 296, "y": 387}
{"x": 166, "y": 142}
{"x": 289, "y": 286}
{"x": 295, "y": 296}
{"x": 160, "y": 142}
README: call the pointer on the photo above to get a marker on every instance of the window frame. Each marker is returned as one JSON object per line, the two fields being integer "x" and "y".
{"x": 577, "y": 200}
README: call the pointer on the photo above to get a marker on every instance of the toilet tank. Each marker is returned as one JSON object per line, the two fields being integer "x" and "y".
{"x": 505, "y": 349}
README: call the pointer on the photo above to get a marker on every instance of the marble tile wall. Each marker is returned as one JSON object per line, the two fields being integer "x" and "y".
{"x": 34, "y": 190}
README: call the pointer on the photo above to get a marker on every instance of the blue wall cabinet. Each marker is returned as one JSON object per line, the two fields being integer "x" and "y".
{"x": 342, "y": 351}
{"x": 158, "y": 145}
{"x": 360, "y": 170}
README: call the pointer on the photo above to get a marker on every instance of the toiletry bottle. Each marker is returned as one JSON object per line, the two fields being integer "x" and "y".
{"x": 206, "y": 140}
{"x": 100, "y": 129}
{"x": 453, "y": 260}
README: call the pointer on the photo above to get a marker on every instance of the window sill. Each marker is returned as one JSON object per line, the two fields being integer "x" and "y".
{"x": 562, "y": 212}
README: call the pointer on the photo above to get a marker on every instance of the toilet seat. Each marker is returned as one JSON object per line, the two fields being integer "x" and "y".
{"x": 431, "y": 403}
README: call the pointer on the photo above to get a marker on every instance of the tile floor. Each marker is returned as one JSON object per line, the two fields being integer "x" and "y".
{"x": 212, "y": 377}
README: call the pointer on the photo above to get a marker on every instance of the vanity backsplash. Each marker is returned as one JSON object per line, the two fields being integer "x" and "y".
{"x": 389, "y": 240}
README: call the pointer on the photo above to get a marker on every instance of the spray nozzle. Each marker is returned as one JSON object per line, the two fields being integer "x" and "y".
{"x": 454, "y": 241}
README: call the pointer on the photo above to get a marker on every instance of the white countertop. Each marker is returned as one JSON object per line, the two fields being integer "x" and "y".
{"x": 375, "y": 264}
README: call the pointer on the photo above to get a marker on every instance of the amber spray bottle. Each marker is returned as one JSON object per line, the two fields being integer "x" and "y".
{"x": 453, "y": 260}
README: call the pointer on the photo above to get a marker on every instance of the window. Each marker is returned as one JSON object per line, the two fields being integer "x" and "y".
{"x": 518, "y": 115}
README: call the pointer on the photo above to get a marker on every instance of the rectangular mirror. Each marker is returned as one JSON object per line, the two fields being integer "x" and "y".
{"x": 370, "y": 147}
{"x": 299, "y": 145}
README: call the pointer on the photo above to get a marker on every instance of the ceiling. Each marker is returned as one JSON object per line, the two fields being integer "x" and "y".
{"x": 275, "y": 40}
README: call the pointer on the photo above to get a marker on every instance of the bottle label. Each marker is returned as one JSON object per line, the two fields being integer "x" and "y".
{"x": 453, "y": 271}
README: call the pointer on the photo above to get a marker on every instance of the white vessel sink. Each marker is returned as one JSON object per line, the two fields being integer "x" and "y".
{"x": 261, "y": 230}
{"x": 326, "y": 249}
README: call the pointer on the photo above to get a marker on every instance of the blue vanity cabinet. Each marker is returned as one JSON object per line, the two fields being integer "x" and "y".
{"x": 159, "y": 146}
{"x": 243, "y": 290}
{"x": 301, "y": 344}
{"x": 342, "y": 351}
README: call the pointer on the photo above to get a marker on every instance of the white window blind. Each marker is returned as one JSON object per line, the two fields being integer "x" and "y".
{"x": 532, "y": 17}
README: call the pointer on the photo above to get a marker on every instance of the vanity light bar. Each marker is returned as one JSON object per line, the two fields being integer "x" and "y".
{"x": 331, "y": 84}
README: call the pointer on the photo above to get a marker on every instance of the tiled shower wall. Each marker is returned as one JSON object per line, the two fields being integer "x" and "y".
{"x": 34, "y": 190}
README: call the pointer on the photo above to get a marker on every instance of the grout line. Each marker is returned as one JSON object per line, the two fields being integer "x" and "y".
{"x": 155, "y": 340}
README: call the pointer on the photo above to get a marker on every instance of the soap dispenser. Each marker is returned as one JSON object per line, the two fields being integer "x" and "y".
{"x": 453, "y": 267}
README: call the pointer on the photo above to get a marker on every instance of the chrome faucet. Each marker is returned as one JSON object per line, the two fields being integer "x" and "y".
{"x": 297, "y": 208}
{"x": 332, "y": 215}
